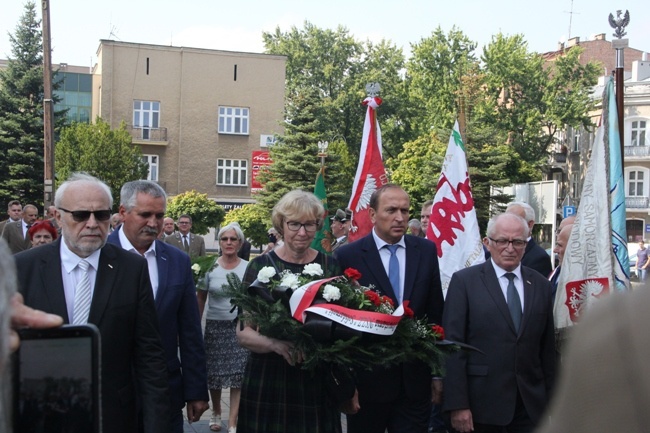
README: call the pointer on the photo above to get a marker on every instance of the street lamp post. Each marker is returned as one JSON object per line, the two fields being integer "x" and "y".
{"x": 322, "y": 152}
{"x": 619, "y": 44}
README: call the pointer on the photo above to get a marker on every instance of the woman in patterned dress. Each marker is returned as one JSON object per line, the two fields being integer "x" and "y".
{"x": 277, "y": 395}
{"x": 226, "y": 359}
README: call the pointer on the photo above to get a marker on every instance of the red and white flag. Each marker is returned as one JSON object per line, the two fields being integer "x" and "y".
{"x": 453, "y": 226}
{"x": 370, "y": 172}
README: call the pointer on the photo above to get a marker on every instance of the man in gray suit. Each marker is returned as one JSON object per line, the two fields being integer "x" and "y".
{"x": 15, "y": 212}
{"x": 15, "y": 233}
{"x": 506, "y": 311}
{"x": 187, "y": 241}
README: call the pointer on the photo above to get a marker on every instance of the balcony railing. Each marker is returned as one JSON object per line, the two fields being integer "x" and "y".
{"x": 637, "y": 202}
{"x": 148, "y": 134}
{"x": 639, "y": 151}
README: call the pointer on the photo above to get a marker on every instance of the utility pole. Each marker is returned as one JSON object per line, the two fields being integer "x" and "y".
{"x": 48, "y": 110}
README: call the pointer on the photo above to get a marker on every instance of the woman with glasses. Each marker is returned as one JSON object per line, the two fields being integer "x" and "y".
{"x": 277, "y": 395}
{"x": 225, "y": 358}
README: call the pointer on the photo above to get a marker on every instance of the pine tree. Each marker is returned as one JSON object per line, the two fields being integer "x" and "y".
{"x": 295, "y": 157}
{"x": 21, "y": 114}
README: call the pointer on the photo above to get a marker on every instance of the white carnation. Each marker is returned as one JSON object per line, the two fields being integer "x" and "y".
{"x": 331, "y": 293}
{"x": 313, "y": 269}
{"x": 290, "y": 280}
{"x": 265, "y": 274}
{"x": 196, "y": 268}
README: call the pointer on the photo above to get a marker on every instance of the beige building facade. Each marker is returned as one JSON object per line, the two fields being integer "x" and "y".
{"x": 198, "y": 115}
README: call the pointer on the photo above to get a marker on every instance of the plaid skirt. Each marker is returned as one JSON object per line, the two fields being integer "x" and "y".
{"x": 226, "y": 359}
{"x": 279, "y": 398}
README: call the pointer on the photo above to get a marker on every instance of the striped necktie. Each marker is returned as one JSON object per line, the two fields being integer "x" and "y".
{"x": 82, "y": 296}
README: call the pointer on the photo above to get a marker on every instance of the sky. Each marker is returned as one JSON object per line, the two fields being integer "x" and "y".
{"x": 77, "y": 27}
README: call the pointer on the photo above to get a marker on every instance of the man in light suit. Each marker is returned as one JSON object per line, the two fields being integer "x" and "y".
{"x": 121, "y": 303}
{"x": 535, "y": 257}
{"x": 142, "y": 207}
{"x": 397, "y": 398}
{"x": 15, "y": 233}
{"x": 506, "y": 311}
{"x": 192, "y": 244}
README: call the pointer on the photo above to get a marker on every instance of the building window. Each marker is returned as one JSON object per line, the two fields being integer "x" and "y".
{"x": 635, "y": 183}
{"x": 152, "y": 162}
{"x": 575, "y": 185}
{"x": 233, "y": 120}
{"x": 233, "y": 172}
{"x": 638, "y": 133}
{"x": 146, "y": 116}
{"x": 576, "y": 141}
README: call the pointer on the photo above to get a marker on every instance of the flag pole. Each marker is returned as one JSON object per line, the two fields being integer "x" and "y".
{"x": 618, "y": 24}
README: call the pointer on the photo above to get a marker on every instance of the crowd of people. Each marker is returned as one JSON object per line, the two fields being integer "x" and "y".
{"x": 130, "y": 274}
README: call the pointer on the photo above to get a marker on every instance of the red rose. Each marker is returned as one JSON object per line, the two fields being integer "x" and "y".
{"x": 352, "y": 274}
{"x": 408, "y": 312}
{"x": 387, "y": 300}
{"x": 439, "y": 331}
{"x": 374, "y": 297}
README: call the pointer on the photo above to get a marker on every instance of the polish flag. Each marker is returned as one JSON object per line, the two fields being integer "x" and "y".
{"x": 370, "y": 172}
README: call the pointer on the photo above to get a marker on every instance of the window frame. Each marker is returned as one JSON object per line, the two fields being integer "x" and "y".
{"x": 152, "y": 113}
{"x": 233, "y": 120}
{"x": 148, "y": 159}
{"x": 637, "y": 129}
{"x": 227, "y": 173}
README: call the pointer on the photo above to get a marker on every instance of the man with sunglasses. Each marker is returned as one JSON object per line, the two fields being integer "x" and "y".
{"x": 506, "y": 311}
{"x": 84, "y": 280}
{"x": 142, "y": 208}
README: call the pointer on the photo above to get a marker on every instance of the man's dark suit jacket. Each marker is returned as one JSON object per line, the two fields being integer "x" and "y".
{"x": 245, "y": 251}
{"x": 13, "y": 234}
{"x": 423, "y": 290}
{"x": 122, "y": 308}
{"x": 476, "y": 313}
{"x": 179, "y": 323}
{"x": 535, "y": 257}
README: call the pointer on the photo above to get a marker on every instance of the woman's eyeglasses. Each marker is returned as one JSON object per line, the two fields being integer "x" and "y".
{"x": 226, "y": 239}
{"x": 83, "y": 215}
{"x": 295, "y": 226}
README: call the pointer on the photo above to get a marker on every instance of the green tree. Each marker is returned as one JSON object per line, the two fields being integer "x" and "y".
{"x": 434, "y": 77}
{"x": 205, "y": 213}
{"x": 530, "y": 102}
{"x": 21, "y": 114}
{"x": 338, "y": 67}
{"x": 295, "y": 158}
{"x": 100, "y": 151}
{"x": 253, "y": 220}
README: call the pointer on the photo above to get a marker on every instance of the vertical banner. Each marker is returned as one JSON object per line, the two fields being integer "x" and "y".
{"x": 370, "y": 172}
{"x": 453, "y": 226}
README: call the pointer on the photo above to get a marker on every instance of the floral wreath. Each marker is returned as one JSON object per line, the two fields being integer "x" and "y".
{"x": 336, "y": 320}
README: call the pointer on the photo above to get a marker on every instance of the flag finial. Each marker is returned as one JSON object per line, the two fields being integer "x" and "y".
{"x": 372, "y": 89}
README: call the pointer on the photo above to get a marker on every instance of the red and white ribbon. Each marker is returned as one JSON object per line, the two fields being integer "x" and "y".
{"x": 366, "y": 321}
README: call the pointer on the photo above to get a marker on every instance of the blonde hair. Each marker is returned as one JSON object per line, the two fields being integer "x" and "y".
{"x": 297, "y": 205}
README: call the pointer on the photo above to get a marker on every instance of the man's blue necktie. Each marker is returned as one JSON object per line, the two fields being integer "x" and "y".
{"x": 514, "y": 303}
{"x": 393, "y": 271}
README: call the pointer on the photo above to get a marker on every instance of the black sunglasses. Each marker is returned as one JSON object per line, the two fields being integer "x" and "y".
{"x": 84, "y": 215}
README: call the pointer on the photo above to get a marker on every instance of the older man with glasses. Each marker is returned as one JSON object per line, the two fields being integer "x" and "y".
{"x": 506, "y": 311}
{"x": 192, "y": 244}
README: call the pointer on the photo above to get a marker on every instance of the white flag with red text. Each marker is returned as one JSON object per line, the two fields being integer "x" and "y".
{"x": 370, "y": 172}
{"x": 453, "y": 226}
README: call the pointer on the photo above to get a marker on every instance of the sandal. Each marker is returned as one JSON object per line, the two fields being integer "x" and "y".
{"x": 215, "y": 422}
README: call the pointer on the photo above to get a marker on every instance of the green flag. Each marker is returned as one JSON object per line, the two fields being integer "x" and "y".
{"x": 323, "y": 235}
